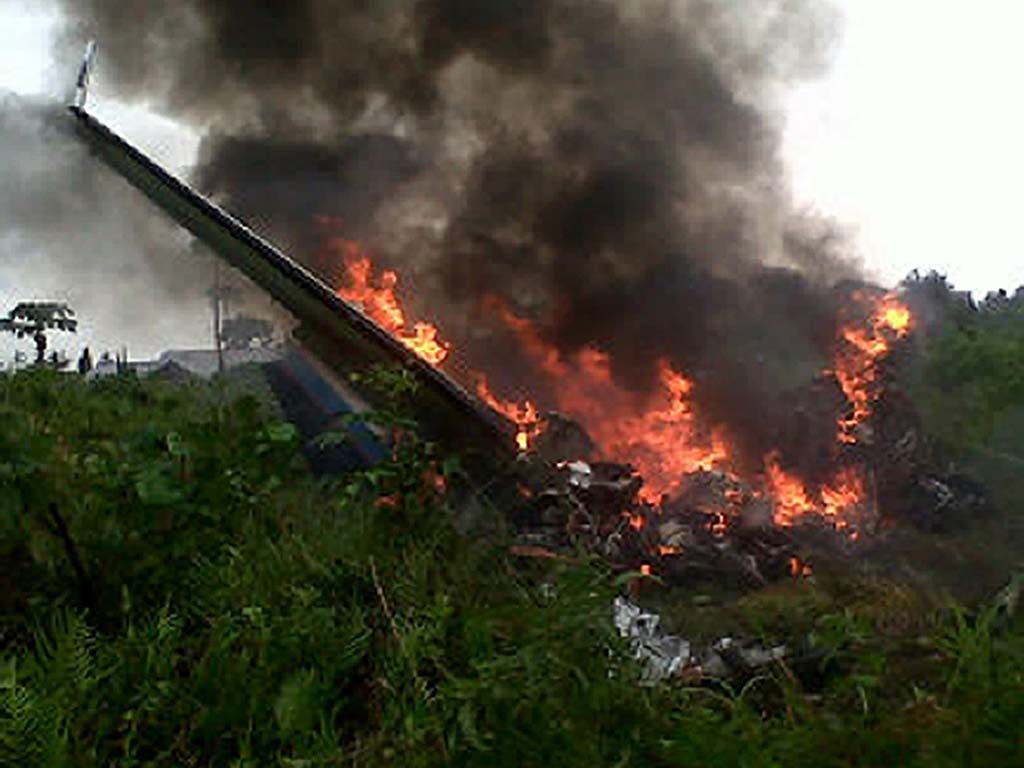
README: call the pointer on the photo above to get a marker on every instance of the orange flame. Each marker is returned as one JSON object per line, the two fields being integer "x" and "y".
{"x": 837, "y": 500}
{"x": 523, "y": 415}
{"x": 657, "y": 434}
{"x": 378, "y": 300}
{"x": 719, "y": 523}
{"x": 844, "y": 493}
{"x": 857, "y": 361}
{"x": 862, "y": 348}
{"x": 798, "y": 567}
{"x": 788, "y": 492}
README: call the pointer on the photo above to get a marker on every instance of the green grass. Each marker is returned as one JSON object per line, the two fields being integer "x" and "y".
{"x": 228, "y": 610}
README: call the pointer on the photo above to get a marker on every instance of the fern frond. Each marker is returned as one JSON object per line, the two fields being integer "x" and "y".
{"x": 31, "y": 731}
{"x": 64, "y": 657}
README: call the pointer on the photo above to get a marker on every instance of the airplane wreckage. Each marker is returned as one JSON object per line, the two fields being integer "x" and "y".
{"x": 332, "y": 339}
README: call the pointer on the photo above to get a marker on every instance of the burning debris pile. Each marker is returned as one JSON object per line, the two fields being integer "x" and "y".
{"x": 648, "y": 484}
{"x": 705, "y": 534}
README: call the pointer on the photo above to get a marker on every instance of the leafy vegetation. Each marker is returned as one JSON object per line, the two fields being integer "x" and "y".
{"x": 971, "y": 377}
{"x": 178, "y": 591}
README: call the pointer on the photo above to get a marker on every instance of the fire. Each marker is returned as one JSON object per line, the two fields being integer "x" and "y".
{"x": 523, "y": 415}
{"x": 658, "y": 432}
{"x": 896, "y": 315}
{"x": 544, "y": 355}
{"x": 791, "y": 499}
{"x": 424, "y": 342}
{"x": 862, "y": 348}
{"x": 663, "y": 440}
{"x": 798, "y": 567}
{"x": 378, "y": 300}
{"x": 845, "y": 492}
{"x": 837, "y": 500}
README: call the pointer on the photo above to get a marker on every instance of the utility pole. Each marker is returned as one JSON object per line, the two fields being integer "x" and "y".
{"x": 216, "y": 316}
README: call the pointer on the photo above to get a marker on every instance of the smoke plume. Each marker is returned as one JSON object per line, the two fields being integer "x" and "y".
{"x": 70, "y": 230}
{"x": 609, "y": 168}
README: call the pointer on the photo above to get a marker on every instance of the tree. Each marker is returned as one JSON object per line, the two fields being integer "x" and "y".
{"x": 972, "y": 375}
{"x": 35, "y": 319}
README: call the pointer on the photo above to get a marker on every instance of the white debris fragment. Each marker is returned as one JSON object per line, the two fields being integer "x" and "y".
{"x": 759, "y": 657}
{"x": 661, "y": 655}
{"x": 580, "y": 474}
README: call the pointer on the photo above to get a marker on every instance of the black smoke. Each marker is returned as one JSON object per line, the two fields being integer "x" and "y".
{"x": 609, "y": 167}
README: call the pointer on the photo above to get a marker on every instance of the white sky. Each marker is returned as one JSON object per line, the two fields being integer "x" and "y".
{"x": 913, "y": 140}
{"x": 26, "y": 31}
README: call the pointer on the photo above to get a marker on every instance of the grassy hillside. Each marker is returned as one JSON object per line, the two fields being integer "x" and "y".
{"x": 177, "y": 590}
